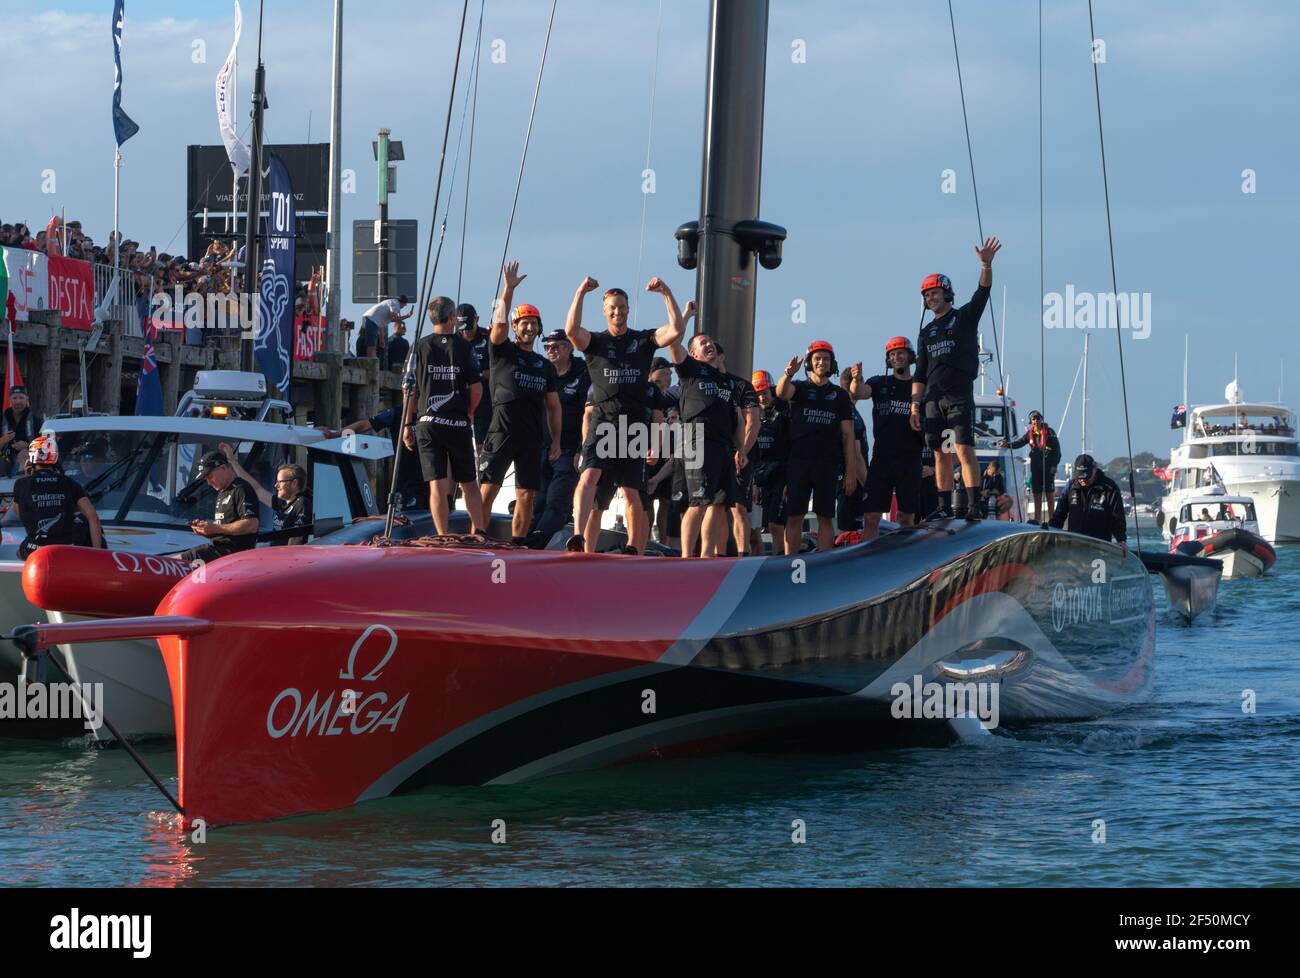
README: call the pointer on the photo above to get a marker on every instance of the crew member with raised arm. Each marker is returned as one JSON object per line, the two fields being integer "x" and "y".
{"x": 560, "y": 477}
{"x": 711, "y": 418}
{"x": 895, "y": 470}
{"x": 943, "y": 389}
{"x": 437, "y": 422}
{"x": 821, "y": 442}
{"x": 525, "y": 407}
{"x": 291, "y": 503}
{"x": 618, "y": 359}
{"x": 771, "y": 450}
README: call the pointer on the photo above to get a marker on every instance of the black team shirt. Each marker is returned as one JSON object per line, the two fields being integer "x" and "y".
{"x": 891, "y": 410}
{"x": 773, "y": 443}
{"x": 948, "y": 357}
{"x": 444, "y": 373}
{"x": 291, "y": 514}
{"x": 815, "y": 415}
{"x": 521, "y": 379}
{"x": 572, "y": 391}
{"x": 235, "y": 502}
{"x": 620, "y": 367}
{"x": 708, "y": 398}
{"x": 47, "y": 503}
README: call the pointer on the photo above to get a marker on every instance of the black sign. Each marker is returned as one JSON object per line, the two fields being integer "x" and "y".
{"x": 311, "y": 241}
{"x": 401, "y": 271}
{"x": 209, "y": 178}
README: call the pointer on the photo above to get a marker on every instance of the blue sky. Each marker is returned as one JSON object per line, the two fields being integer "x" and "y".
{"x": 856, "y": 140}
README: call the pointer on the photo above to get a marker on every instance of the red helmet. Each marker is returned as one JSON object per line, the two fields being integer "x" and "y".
{"x": 938, "y": 281}
{"x": 43, "y": 450}
{"x": 525, "y": 311}
{"x": 820, "y": 346}
{"x": 899, "y": 343}
{"x": 762, "y": 380}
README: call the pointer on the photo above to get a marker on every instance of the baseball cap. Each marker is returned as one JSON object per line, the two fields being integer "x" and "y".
{"x": 466, "y": 314}
{"x": 210, "y": 462}
{"x": 1084, "y": 466}
{"x": 555, "y": 336}
{"x": 660, "y": 363}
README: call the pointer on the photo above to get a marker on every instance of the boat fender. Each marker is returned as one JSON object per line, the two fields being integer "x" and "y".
{"x": 86, "y": 581}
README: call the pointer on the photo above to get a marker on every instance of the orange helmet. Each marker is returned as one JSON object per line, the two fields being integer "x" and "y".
{"x": 525, "y": 311}
{"x": 938, "y": 281}
{"x": 820, "y": 346}
{"x": 899, "y": 343}
{"x": 43, "y": 450}
{"x": 762, "y": 380}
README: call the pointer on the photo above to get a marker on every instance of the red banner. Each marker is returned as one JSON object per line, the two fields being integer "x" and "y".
{"x": 308, "y": 337}
{"x": 72, "y": 291}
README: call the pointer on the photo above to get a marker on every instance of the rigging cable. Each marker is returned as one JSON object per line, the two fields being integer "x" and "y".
{"x": 1114, "y": 286}
{"x": 528, "y": 135}
{"x": 979, "y": 221}
{"x": 1042, "y": 280}
{"x": 649, "y": 139}
{"x": 426, "y": 283}
{"x": 469, "y": 163}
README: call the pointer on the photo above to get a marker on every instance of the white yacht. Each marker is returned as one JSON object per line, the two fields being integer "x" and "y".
{"x": 1248, "y": 449}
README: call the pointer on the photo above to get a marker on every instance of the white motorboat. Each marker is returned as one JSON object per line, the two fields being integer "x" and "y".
{"x": 139, "y": 473}
{"x": 1247, "y": 449}
{"x": 1223, "y": 528}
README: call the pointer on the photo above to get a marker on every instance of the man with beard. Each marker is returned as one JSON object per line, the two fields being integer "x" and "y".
{"x": 560, "y": 478}
{"x": 895, "y": 471}
{"x": 618, "y": 359}
{"x": 524, "y": 405}
{"x": 943, "y": 390}
{"x": 821, "y": 442}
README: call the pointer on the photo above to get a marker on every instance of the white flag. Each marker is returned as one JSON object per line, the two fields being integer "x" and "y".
{"x": 235, "y": 149}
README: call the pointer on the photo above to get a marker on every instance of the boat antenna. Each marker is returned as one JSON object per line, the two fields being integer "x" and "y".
{"x": 970, "y": 156}
{"x": 649, "y": 141}
{"x": 523, "y": 159}
{"x": 1186, "y": 408}
{"x": 1114, "y": 285}
{"x": 426, "y": 283}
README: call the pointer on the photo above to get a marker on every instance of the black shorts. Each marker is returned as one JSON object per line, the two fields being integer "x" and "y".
{"x": 772, "y": 499}
{"x": 606, "y": 489}
{"x": 619, "y": 469}
{"x": 745, "y": 486}
{"x": 890, "y": 476}
{"x": 818, "y": 478}
{"x": 713, "y": 481}
{"x": 1041, "y": 479}
{"x": 445, "y": 449}
{"x": 510, "y": 442}
{"x": 948, "y": 412}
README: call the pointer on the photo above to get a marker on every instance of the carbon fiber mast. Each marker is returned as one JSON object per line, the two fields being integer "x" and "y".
{"x": 725, "y": 241}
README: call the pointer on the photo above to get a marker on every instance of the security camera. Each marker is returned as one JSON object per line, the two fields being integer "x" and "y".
{"x": 764, "y": 239}
{"x": 688, "y": 245}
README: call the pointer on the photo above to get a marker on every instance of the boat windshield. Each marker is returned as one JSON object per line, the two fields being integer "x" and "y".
{"x": 150, "y": 477}
{"x": 1218, "y": 513}
{"x": 990, "y": 426}
{"x": 1250, "y": 446}
{"x": 1260, "y": 424}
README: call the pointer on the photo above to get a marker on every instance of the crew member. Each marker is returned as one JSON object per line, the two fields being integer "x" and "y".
{"x": 619, "y": 361}
{"x": 943, "y": 390}
{"x": 895, "y": 471}
{"x": 525, "y": 406}
{"x": 560, "y": 478}
{"x": 746, "y": 400}
{"x": 234, "y": 522}
{"x": 291, "y": 503}
{"x": 448, "y": 388}
{"x": 1093, "y": 505}
{"x": 374, "y": 325}
{"x": 659, "y": 469}
{"x": 467, "y": 319}
{"x": 49, "y": 502}
{"x": 398, "y": 347}
{"x": 1044, "y": 457}
{"x": 712, "y": 419}
{"x": 821, "y": 440}
{"x": 993, "y": 492}
{"x": 768, "y": 460}
{"x": 18, "y": 426}
{"x": 851, "y": 507}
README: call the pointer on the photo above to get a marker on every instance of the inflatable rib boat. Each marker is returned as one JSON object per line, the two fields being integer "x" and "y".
{"x": 306, "y": 679}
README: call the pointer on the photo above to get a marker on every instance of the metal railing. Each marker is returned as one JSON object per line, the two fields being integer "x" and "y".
{"x": 121, "y": 305}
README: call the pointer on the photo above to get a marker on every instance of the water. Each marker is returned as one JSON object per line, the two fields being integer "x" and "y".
{"x": 1192, "y": 791}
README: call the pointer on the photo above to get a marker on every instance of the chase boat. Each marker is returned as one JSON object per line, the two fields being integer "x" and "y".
{"x": 1223, "y": 528}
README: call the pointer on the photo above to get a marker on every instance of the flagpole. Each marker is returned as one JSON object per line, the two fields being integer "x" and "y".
{"x": 117, "y": 234}
{"x": 252, "y": 266}
{"x": 234, "y": 180}
{"x": 333, "y": 342}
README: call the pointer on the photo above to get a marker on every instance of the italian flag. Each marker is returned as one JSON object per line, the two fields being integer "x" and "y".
{"x": 13, "y": 376}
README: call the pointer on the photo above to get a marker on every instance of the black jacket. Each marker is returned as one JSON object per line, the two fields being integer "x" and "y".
{"x": 1095, "y": 511}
